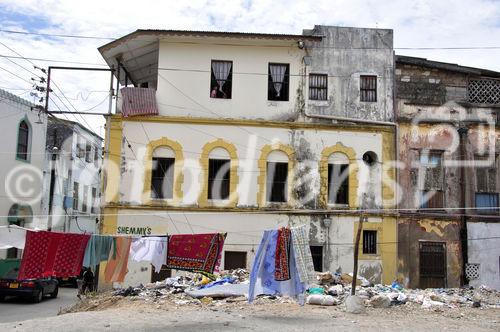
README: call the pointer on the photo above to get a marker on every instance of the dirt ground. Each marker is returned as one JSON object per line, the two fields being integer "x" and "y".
{"x": 137, "y": 314}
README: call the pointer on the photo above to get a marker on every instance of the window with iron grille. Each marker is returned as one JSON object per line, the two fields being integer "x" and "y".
{"x": 338, "y": 184}
{"x": 218, "y": 178}
{"x": 75, "y": 195}
{"x": 484, "y": 91}
{"x": 486, "y": 197}
{"x": 278, "y": 81}
{"x": 368, "y": 88}
{"x": 221, "y": 79}
{"x": 23, "y": 140}
{"x": 276, "y": 182}
{"x": 369, "y": 242}
{"x": 318, "y": 86}
{"x": 162, "y": 178}
{"x": 432, "y": 195}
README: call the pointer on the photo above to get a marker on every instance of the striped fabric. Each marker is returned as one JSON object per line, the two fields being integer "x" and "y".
{"x": 138, "y": 101}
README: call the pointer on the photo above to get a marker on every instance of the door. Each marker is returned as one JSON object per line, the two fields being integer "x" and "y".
{"x": 163, "y": 274}
{"x": 432, "y": 264}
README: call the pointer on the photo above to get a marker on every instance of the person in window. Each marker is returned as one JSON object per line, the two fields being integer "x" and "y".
{"x": 213, "y": 93}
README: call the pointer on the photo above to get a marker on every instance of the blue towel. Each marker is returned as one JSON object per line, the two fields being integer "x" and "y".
{"x": 262, "y": 275}
{"x": 97, "y": 250}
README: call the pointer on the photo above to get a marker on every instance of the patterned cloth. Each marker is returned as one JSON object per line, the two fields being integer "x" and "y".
{"x": 282, "y": 262}
{"x": 97, "y": 250}
{"x": 116, "y": 268}
{"x": 195, "y": 252}
{"x": 262, "y": 276}
{"x": 303, "y": 257}
{"x": 52, "y": 254}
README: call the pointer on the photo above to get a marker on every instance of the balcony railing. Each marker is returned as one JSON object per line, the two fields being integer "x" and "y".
{"x": 138, "y": 102}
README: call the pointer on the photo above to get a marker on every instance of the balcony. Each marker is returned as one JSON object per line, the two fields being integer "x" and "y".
{"x": 138, "y": 102}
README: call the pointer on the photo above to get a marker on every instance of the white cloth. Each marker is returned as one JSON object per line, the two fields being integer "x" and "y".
{"x": 12, "y": 237}
{"x": 150, "y": 249}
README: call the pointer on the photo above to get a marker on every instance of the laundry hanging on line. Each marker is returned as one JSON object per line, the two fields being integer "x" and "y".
{"x": 52, "y": 254}
{"x": 195, "y": 252}
{"x": 151, "y": 249}
{"x": 12, "y": 236}
{"x": 97, "y": 250}
{"x": 277, "y": 265}
{"x": 116, "y": 268}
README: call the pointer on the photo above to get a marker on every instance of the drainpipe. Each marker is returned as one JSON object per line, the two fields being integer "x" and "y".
{"x": 462, "y": 132}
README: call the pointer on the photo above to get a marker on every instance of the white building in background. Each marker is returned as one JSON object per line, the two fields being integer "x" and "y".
{"x": 22, "y": 156}
{"x": 73, "y": 177}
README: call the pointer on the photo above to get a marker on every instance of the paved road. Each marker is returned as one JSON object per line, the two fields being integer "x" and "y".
{"x": 14, "y": 309}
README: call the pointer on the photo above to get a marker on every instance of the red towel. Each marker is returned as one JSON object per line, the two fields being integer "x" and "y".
{"x": 195, "y": 252}
{"x": 282, "y": 261}
{"x": 52, "y": 254}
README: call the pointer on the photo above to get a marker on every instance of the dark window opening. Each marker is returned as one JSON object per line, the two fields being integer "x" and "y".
{"x": 317, "y": 257}
{"x": 370, "y": 158}
{"x": 23, "y": 140}
{"x": 278, "y": 81}
{"x": 75, "y": 196}
{"x": 88, "y": 153}
{"x": 218, "y": 178}
{"x": 96, "y": 157}
{"x": 369, "y": 242}
{"x": 368, "y": 88}
{"x": 162, "y": 178}
{"x": 85, "y": 198}
{"x": 277, "y": 180}
{"x": 235, "y": 260}
{"x": 338, "y": 183}
{"x": 432, "y": 195}
{"x": 94, "y": 201}
{"x": 221, "y": 79}
{"x": 318, "y": 86}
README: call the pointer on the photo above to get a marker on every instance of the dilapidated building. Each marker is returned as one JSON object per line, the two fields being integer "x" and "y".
{"x": 243, "y": 132}
{"x": 448, "y": 149}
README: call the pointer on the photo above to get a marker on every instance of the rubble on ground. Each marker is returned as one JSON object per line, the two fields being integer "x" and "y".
{"x": 230, "y": 288}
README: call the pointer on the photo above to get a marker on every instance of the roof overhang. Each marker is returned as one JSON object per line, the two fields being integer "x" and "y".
{"x": 138, "y": 51}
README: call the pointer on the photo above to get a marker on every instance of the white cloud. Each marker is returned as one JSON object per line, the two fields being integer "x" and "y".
{"x": 416, "y": 23}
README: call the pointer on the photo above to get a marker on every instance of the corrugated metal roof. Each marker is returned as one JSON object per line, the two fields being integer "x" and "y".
{"x": 411, "y": 60}
{"x": 7, "y": 95}
{"x": 201, "y": 33}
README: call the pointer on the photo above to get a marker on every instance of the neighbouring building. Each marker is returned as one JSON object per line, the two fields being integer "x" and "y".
{"x": 242, "y": 132}
{"x": 448, "y": 143}
{"x": 72, "y": 180}
{"x": 23, "y": 130}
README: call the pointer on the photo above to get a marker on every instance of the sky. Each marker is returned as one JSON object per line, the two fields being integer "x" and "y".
{"x": 416, "y": 24}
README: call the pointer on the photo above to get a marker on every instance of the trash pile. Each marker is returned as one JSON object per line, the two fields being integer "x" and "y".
{"x": 332, "y": 289}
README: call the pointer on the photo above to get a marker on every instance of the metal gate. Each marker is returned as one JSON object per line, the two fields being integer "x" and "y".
{"x": 432, "y": 264}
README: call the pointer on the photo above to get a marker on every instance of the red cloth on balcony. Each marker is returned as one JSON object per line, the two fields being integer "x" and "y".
{"x": 52, "y": 254}
{"x": 282, "y": 258}
{"x": 138, "y": 101}
{"x": 195, "y": 252}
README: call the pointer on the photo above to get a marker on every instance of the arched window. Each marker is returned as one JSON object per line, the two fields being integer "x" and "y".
{"x": 219, "y": 163}
{"x": 277, "y": 177}
{"x": 219, "y": 175}
{"x": 276, "y": 165}
{"x": 338, "y": 179}
{"x": 339, "y": 176}
{"x": 163, "y": 163}
{"x": 162, "y": 173}
{"x": 23, "y": 140}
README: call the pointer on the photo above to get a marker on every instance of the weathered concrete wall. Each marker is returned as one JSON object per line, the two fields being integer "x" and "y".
{"x": 345, "y": 54}
{"x": 483, "y": 249}
{"x": 412, "y": 230}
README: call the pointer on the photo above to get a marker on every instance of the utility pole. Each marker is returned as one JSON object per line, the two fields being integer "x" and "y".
{"x": 356, "y": 247}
